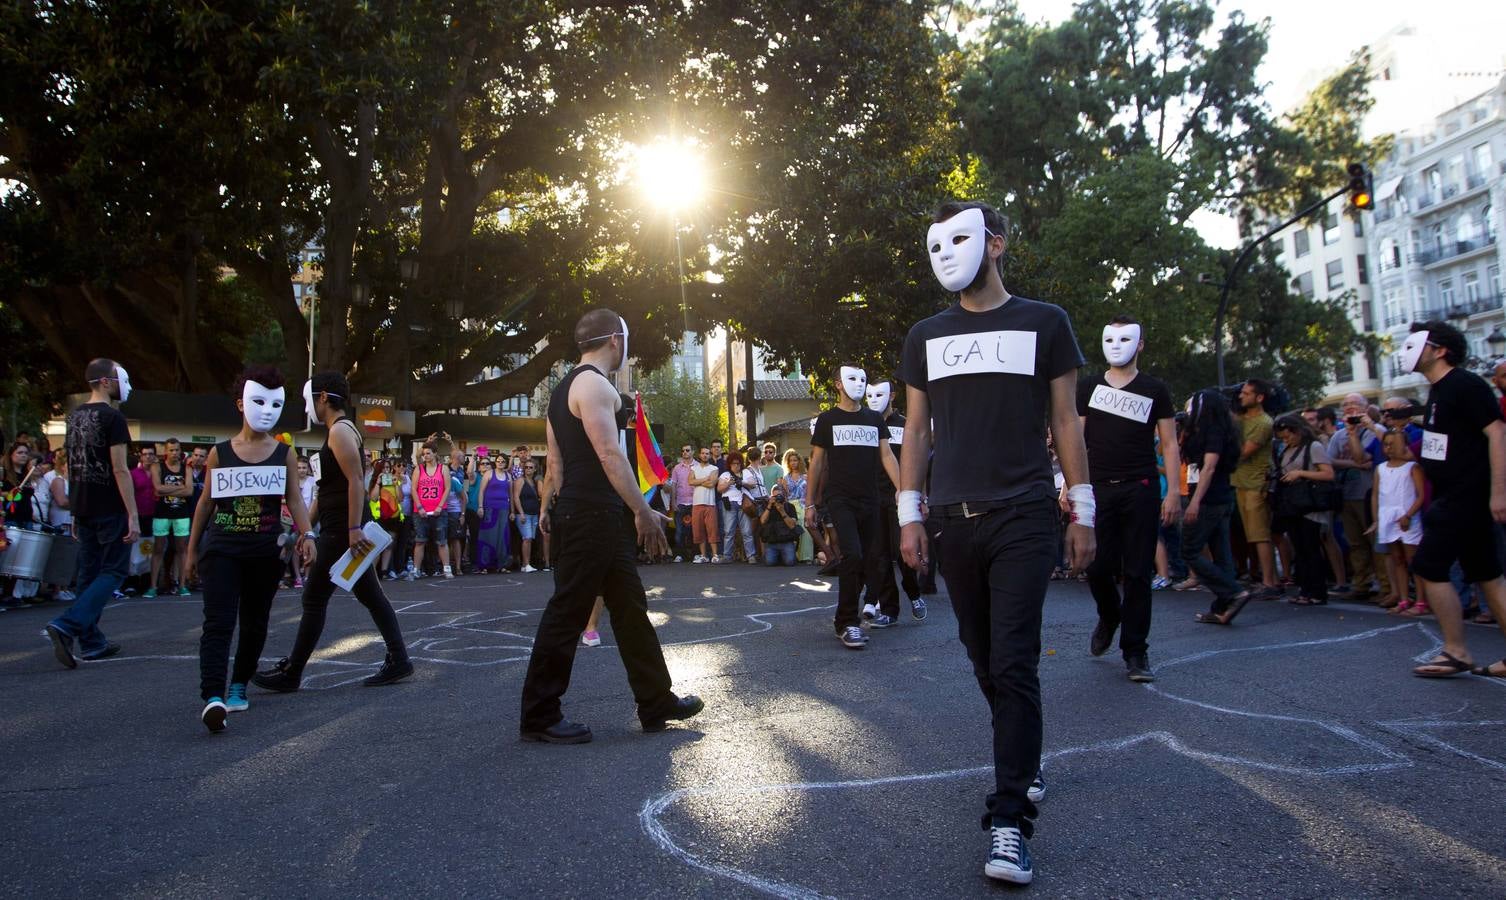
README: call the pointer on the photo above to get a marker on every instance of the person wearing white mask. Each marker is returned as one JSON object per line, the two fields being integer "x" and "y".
{"x": 994, "y": 371}
{"x": 103, "y": 498}
{"x": 881, "y": 603}
{"x": 1122, "y": 412}
{"x": 234, "y": 542}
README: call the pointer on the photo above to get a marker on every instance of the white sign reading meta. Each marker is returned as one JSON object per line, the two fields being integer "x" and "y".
{"x": 248, "y": 481}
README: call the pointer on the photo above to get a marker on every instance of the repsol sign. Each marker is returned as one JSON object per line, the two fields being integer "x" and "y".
{"x": 374, "y": 401}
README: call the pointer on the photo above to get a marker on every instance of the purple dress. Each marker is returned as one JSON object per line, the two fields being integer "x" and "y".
{"x": 492, "y": 549}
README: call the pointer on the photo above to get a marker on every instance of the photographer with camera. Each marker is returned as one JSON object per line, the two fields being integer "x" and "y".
{"x": 1355, "y": 451}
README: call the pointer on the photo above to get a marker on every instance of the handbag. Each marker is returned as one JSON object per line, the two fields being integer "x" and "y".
{"x": 1300, "y": 498}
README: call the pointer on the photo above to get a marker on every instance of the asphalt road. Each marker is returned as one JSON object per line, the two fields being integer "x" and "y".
{"x": 1292, "y": 755}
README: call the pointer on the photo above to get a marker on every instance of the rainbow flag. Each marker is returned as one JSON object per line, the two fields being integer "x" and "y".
{"x": 651, "y": 471}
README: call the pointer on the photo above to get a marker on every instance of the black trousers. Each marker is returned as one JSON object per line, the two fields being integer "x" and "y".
{"x": 595, "y": 554}
{"x": 997, "y": 566}
{"x": 318, "y": 589}
{"x": 1128, "y": 520}
{"x": 856, "y": 521}
{"x": 234, "y": 587}
{"x": 881, "y": 558}
{"x": 1312, "y": 563}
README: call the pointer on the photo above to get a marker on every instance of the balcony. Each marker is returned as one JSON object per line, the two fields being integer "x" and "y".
{"x": 1466, "y": 308}
{"x": 1451, "y": 249}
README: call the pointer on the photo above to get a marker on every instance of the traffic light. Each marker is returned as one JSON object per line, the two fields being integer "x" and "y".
{"x": 1361, "y": 187}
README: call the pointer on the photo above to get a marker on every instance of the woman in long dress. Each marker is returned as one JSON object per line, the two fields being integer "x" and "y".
{"x": 494, "y": 508}
{"x": 794, "y": 483}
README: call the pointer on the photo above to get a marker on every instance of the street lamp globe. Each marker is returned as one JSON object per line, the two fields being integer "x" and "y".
{"x": 671, "y": 173}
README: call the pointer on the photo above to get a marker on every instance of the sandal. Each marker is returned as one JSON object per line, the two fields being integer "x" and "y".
{"x": 1450, "y": 664}
{"x": 1304, "y": 600}
{"x": 1209, "y": 618}
{"x": 1419, "y": 609}
{"x": 1489, "y": 671}
{"x": 1484, "y": 618}
{"x": 1401, "y": 608}
{"x": 1237, "y": 604}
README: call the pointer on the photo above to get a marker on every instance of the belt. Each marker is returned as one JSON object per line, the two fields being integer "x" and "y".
{"x": 971, "y": 509}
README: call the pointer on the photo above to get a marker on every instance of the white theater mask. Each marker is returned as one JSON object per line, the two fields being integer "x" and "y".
{"x": 1411, "y": 350}
{"x": 879, "y": 396}
{"x": 124, "y": 379}
{"x": 1120, "y": 344}
{"x": 854, "y": 383}
{"x": 308, "y": 401}
{"x": 957, "y": 247}
{"x": 622, "y": 362}
{"x": 262, "y": 406}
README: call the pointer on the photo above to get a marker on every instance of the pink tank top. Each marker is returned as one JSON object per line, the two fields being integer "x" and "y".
{"x": 428, "y": 487}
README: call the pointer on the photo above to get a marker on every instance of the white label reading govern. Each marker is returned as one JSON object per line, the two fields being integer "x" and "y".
{"x": 896, "y": 434}
{"x": 854, "y": 436}
{"x": 1006, "y": 352}
{"x": 1120, "y": 403}
{"x": 248, "y": 481}
{"x": 1434, "y": 445}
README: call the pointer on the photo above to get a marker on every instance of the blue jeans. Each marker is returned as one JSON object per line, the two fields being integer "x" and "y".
{"x": 733, "y": 521}
{"x": 103, "y": 559}
{"x": 779, "y": 554}
{"x": 1211, "y": 530}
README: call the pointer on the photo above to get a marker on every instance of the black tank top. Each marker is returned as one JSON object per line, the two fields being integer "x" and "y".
{"x": 333, "y": 487}
{"x": 247, "y": 516}
{"x": 585, "y": 481}
{"x": 528, "y": 498}
{"x": 172, "y": 507}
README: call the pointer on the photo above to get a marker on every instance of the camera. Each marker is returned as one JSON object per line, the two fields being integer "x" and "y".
{"x": 1352, "y": 420}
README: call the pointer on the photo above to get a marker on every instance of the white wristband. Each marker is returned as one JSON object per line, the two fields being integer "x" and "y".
{"x": 909, "y": 507}
{"x": 1084, "y": 507}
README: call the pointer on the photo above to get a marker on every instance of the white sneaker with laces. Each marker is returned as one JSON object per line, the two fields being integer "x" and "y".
{"x": 448, "y": 573}
{"x": 1008, "y": 856}
{"x": 716, "y": 560}
{"x": 698, "y": 559}
{"x": 679, "y": 559}
{"x": 528, "y": 570}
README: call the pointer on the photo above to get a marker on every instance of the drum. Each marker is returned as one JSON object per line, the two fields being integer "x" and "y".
{"x": 62, "y": 562}
{"x": 26, "y": 557}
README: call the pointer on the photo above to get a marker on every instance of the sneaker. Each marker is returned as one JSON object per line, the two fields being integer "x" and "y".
{"x": 679, "y": 559}
{"x": 869, "y": 611}
{"x": 1159, "y": 583}
{"x": 853, "y": 637}
{"x": 698, "y": 559}
{"x": 298, "y": 583}
{"x": 448, "y": 573}
{"x": 1188, "y": 584}
{"x": 918, "y": 608}
{"x": 1138, "y": 669}
{"x": 236, "y": 700}
{"x": 118, "y": 595}
{"x": 882, "y": 621}
{"x": 528, "y": 570}
{"x": 1102, "y": 639}
{"x": 278, "y": 678}
{"x": 1037, "y": 790}
{"x": 213, "y": 715}
{"x": 66, "y": 596}
{"x": 183, "y": 590}
{"x": 409, "y": 575}
{"x": 108, "y": 650}
{"x": 62, "y": 645}
{"x": 591, "y": 638}
{"x": 716, "y": 560}
{"x": 1008, "y": 855}
{"x": 151, "y": 594}
{"x": 391, "y": 672}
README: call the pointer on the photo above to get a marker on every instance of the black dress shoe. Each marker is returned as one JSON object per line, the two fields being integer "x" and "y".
{"x": 108, "y": 650}
{"x": 1103, "y": 638}
{"x": 62, "y": 646}
{"x": 1139, "y": 669}
{"x": 391, "y": 672}
{"x": 683, "y": 708}
{"x": 560, "y": 732}
{"x": 278, "y": 678}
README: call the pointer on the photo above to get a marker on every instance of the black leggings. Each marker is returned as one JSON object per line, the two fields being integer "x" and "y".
{"x": 317, "y": 590}
{"x": 234, "y": 585}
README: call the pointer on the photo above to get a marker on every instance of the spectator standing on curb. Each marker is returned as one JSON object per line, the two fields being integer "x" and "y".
{"x": 1250, "y": 478}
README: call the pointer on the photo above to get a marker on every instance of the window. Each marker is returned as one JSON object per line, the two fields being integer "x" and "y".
{"x": 1487, "y": 223}
{"x": 1363, "y": 265}
{"x": 1335, "y": 270}
{"x": 1493, "y": 275}
{"x": 1303, "y": 284}
{"x": 512, "y": 406}
{"x": 1416, "y": 243}
{"x": 1438, "y": 237}
{"x": 1344, "y": 371}
{"x": 1466, "y": 226}
{"x": 1300, "y": 245}
{"x": 1419, "y": 302}
{"x": 1390, "y": 255}
{"x": 1330, "y": 228}
{"x": 1372, "y": 363}
{"x": 1471, "y": 283}
{"x": 1446, "y": 292}
{"x": 1481, "y": 155}
{"x": 1367, "y": 316}
{"x": 1391, "y": 300}
{"x": 1359, "y": 226}
{"x": 1434, "y": 180}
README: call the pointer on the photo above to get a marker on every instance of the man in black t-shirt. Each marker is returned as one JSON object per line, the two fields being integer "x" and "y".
{"x": 848, "y": 447}
{"x": 987, "y": 375}
{"x": 881, "y": 605}
{"x": 102, "y": 497}
{"x": 1464, "y": 456}
{"x": 1122, "y": 411}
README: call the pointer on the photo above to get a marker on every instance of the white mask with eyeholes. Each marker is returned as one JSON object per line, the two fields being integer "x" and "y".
{"x": 262, "y": 406}
{"x": 879, "y": 397}
{"x": 1120, "y": 344}
{"x": 1411, "y": 350}
{"x": 124, "y": 378}
{"x": 308, "y": 401}
{"x": 957, "y": 248}
{"x": 854, "y": 383}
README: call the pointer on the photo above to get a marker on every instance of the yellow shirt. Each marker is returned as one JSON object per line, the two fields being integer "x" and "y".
{"x": 1250, "y": 474}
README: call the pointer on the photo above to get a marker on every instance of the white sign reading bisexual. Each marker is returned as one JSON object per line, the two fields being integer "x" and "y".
{"x": 248, "y": 481}
{"x": 896, "y": 435}
{"x": 984, "y": 352}
{"x": 1120, "y": 403}
{"x": 854, "y": 436}
{"x": 1434, "y": 445}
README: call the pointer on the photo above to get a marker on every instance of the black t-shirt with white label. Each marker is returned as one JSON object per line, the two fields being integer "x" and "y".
{"x": 988, "y": 377}
{"x": 93, "y": 429}
{"x": 1455, "y": 452}
{"x": 1120, "y": 425}
{"x": 895, "y": 422}
{"x": 851, "y": 444}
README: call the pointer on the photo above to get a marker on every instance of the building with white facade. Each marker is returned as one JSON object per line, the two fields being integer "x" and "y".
{"x": 1433, "y": 240}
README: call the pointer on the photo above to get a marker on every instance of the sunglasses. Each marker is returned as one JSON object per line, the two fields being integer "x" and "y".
{"x": 684, "y": 449}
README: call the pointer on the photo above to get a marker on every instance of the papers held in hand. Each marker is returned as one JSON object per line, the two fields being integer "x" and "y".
{"x": 349, "y": 568}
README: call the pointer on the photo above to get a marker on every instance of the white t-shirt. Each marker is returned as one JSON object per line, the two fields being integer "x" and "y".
{"x": 704, "y": 496}
{"x": 750, "y": 482}
{"x": 308, "y": 487}
{"x": 42, "y": 507}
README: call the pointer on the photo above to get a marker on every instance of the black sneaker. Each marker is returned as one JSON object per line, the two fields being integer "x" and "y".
{"x": 214, "y": 714}
{"x": 391, "y": 672}
{"x": 560, "y": 732}
{"x": 883, "y": 621}
{"x": 278, "y": 678}
{"x": 108, "y": 650}
{"x": 853, "y": 637}
{"x": 1139, "y": 669}
{"x": 1103, "y": 638}
{"x": 683, "y": 708}
{"x": 62, "y": 645}
{"x": 1008, "y": 855}
{"x": 917, "y": 607}
{"x": 1037, "y": 790}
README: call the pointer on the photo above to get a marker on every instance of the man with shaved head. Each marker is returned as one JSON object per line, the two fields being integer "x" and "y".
{"x": 1355, "y": 450}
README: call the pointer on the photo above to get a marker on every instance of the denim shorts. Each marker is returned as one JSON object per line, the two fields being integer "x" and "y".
{"x": 436, "y": 527}
{"x": 528, "y": 527}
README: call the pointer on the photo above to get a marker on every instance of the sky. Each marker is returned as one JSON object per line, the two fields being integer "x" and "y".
{"x": 1311, "y": 38}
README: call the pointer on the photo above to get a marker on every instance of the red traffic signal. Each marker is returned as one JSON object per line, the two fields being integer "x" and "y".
{"x": 1361, "y": 187}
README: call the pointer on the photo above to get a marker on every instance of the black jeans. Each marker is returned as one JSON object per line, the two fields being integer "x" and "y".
{"x": 856, "y": 521}
{"x": 1211, "y": 530}
{"x": 997, "y": 566}
{"x": 234, "y": 587}
{"x": 1312, "y": 562}
{"x": 333, "y": 542}
{"x": 1129, "y": 516}
{"x": 882, "y": 556}
{"x": 595, "y": 552}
